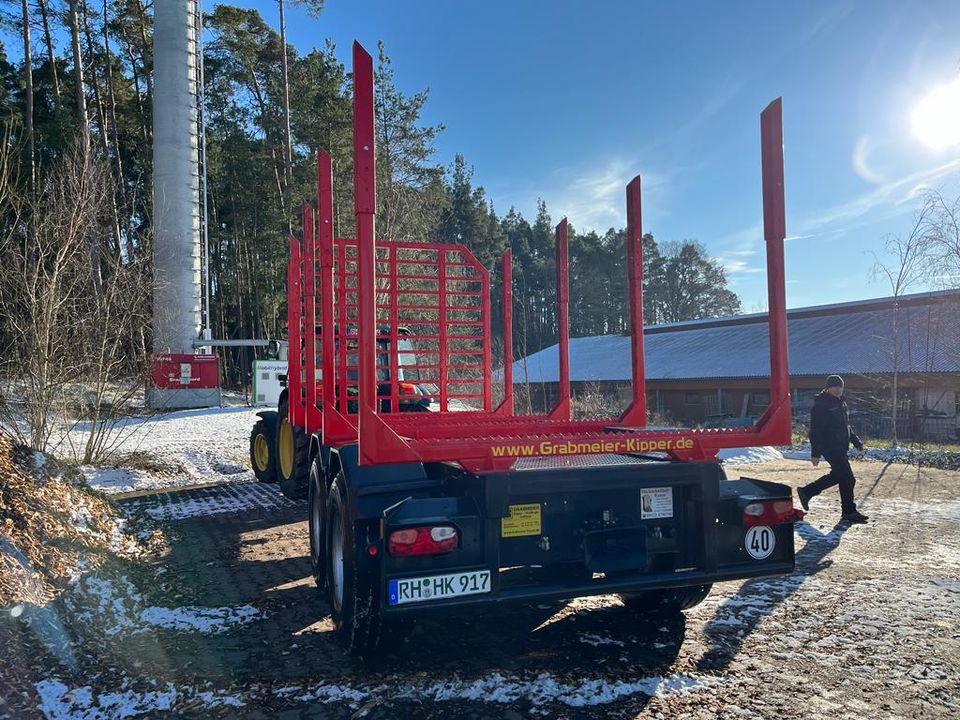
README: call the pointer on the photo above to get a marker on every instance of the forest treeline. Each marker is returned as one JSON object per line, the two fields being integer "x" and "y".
{"x": 75, "y": 78}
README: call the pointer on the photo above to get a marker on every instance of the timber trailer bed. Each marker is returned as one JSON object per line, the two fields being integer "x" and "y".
{"x": 469, "y": 504}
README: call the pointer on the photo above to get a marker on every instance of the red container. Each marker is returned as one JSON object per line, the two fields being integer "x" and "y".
{"x": 182, "y": 372}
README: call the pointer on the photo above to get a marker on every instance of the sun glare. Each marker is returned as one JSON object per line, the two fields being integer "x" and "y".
{"x": 936, "y": 118}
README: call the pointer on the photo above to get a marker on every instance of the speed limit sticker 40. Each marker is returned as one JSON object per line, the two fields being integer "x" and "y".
{"x": 760, "y": 542}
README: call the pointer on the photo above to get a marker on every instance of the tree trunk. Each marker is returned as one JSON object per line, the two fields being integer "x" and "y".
{"x": 141, "y": 112}
{"x": 287, "y": 142}
{"x": 142, "y": 17}
{"x": 94, "y": 81}
{"x": 115, "y": 141}
{"x": 82, "y": 127}
{"x": 51, "y": 57}
{"x": 28, "y": 83}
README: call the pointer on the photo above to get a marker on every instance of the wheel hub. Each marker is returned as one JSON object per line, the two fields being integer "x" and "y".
{"x": 261, "y": 452}
{"x": 286, "y": 448}
{"x": 336, "y": 558}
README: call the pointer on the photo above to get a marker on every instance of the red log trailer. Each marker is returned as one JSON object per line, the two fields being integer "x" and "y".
{"x": 467, "y": 503}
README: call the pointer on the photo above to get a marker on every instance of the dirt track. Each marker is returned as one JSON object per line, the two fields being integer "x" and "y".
{"x": 868, "y": 627}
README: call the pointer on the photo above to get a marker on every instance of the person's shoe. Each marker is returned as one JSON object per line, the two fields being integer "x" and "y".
{"x": 804, "y": 498}
{"x": 855, "y": 518}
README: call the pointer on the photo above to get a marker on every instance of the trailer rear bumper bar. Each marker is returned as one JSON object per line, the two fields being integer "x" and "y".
{"x": 604, "y": 586}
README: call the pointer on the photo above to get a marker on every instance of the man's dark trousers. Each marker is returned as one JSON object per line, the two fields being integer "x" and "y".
{"x": 840, "y": 474}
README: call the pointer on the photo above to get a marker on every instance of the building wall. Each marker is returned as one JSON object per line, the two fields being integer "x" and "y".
{"x": 731, "y": 402}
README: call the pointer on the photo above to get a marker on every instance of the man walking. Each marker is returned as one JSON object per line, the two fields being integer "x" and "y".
{"x": 830, "y": 437}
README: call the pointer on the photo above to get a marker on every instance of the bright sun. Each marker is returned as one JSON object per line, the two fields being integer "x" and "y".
{"x": 936, "y": 118}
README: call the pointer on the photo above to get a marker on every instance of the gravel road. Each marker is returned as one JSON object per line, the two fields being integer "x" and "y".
{"x": 229, "y": 624}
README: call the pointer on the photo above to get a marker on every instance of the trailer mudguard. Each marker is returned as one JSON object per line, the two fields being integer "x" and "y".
{"x": 373, "y": 488}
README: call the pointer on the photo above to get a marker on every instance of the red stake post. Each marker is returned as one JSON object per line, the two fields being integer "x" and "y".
{"x": 636, "y": 414}
{"x": 561, "y": 410}
{"x": 365, "y": 207}
{"x": 506, "y": 302}
{"x": 310, "y": 315}
{"x": 774, "y": 233}
{"x": 294, "y": 314}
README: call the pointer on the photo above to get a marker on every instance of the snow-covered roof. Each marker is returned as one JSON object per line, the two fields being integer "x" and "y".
{"x": 852, "y": 338}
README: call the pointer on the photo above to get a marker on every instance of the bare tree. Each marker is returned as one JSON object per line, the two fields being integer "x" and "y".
{"x": 944, "y": 233}
{"x": 28, "y": 83}
{"x": 69, "y": 359}
{"x": 51, "y": 55}
{"x": 314, "y": 7}
{"x": 73, "y": 16}
{"x": 908, "y": 266}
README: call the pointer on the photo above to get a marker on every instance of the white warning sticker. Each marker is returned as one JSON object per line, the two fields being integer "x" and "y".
{"x": 656, "y": 503}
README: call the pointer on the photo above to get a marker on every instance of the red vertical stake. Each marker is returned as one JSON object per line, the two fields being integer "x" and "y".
{"x": 487, "y": 356}
{"x": 562, "y": 409}
{"x": 294, "y": 308}
{"x": 774, "y": 232}
{"x": 310, "y": 316}
{"x": 442, "y": 342}
{"x": 506, "y": 304}
{"x": 393, "y": 357}
{"x": 636, "y": 413}
{"x": 343, "y": 354}
{"x": 365, "y": 205}
{"x": 325, "y": 253}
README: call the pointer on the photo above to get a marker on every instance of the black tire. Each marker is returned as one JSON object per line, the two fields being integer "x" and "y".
{"x": 293, "y": 456}
{"x": 316, "y": 517}
{"x": 668, "y": 600}
{"x": 352, "y": 578}
{"x": 263, "y": 453}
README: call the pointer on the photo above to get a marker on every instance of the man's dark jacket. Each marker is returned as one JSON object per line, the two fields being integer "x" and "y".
{"x": 830, "y": 432}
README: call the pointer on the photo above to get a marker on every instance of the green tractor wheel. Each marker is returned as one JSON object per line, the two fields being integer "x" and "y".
{"x": 293, "y": 462}
{"x": 263, "y": 458}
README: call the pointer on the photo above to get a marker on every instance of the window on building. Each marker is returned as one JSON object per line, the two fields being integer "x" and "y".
{"x": 760, "y": 397}
{"x": 693, "y": 398}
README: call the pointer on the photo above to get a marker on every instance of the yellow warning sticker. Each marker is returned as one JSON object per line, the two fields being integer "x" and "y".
{"x": 523, "y": 520}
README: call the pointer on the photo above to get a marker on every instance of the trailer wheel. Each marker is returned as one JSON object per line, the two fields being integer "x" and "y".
{"x": 352, "y": 578}
{"x": 293, "y": 456}
{"x": 263, "y": 457}
{"x": 317, "y": 504}
{"x": 667, "y": 600}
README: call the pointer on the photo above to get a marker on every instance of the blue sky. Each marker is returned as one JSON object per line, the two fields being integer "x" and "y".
{"x": 568, "y": 100}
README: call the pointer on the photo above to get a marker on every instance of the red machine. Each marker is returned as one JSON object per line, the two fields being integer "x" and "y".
{"x": 453, "y": 502}
{"x": 442, "y": 294}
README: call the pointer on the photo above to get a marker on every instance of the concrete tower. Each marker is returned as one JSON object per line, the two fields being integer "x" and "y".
{"x": 178, "y": 291}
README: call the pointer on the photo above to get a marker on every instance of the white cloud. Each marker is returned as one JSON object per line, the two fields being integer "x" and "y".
{"x": 888, "y": 198}
{"x": 890, "y": 194}
{"x": 595, "y": 199}
{"x": 735, "y": 267}
{"x": 861, "y": 161}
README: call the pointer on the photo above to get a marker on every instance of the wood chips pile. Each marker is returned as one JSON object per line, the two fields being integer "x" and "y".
{"x": 48, "y": 524}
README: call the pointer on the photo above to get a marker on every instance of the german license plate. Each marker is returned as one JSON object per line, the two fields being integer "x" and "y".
{"x": 438, "y": 587}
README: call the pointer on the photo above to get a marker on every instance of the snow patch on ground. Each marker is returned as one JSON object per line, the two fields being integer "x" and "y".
{"x": 929, "y": 457}
{"x": 324, "y": 693}
{"x": 209, "y": 445}
{"x": 59, "y": 702}
{"x": 208, "y": 621}
{"x": 744, "y": 456}
{"x": 499, "y": 688}
{"x": 546, "y": 688}
{"x": 598, "y": 640}
{"x": 233, "y": 498}
{"x": 117, "y": 607}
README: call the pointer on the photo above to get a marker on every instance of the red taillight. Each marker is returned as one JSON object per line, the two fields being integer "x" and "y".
{"x": 430, "y": 540}
{"x": 770, "y": 512}
{"x": 408, "y": 389}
